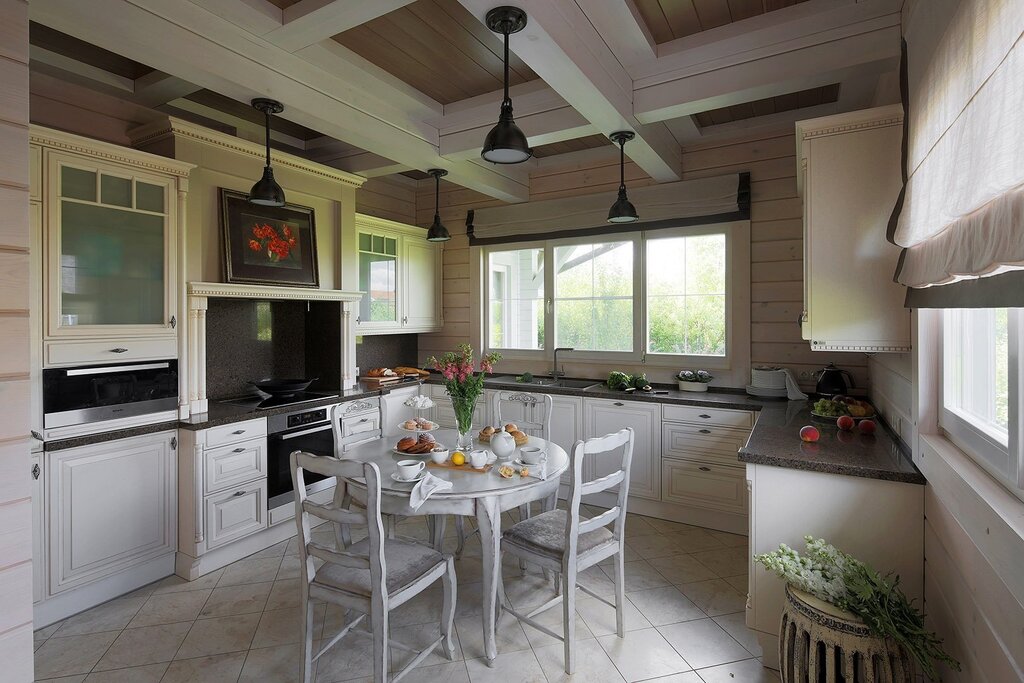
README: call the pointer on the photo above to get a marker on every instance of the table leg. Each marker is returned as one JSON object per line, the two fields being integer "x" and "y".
{"x": 437, "y": 524}
{"x": 489, "y": 521}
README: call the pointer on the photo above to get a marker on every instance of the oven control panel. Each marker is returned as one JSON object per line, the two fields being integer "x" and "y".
{"x": 306, "y": 418}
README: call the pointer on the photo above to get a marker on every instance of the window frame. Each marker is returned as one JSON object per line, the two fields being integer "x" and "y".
{"x": 1006, "y": 464}
{"x": 737, "y": 301}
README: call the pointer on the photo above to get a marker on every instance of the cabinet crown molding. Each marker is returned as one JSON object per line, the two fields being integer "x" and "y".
{"x": 77, "y": 144}
{"x": 176, "y": 128}
{"x": 372, "y": 222}
{"x": 239, "y": 291}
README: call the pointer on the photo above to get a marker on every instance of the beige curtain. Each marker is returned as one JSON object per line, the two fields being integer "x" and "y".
{"x": 963, "y": 209}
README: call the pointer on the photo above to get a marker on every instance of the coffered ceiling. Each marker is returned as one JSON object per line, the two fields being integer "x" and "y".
{"x": 400, "y": 86}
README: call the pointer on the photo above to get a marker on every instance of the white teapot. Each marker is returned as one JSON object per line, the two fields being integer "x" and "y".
{"x": 503, "y": 445}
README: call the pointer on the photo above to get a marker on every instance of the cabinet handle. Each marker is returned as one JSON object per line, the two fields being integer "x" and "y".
{"x": 174, "y": 321}
{"x": 358, "y": 319}
{"x": 704, "y": 431}
{"x": 365, "y": 419}
{"x": 35, "y": 471}
{"x": 705, "y": 416}
{"x": 236, "y": 494}
{"x": 238, "y": 431}
{"x": 405, "y": 320}
{"x": 119, "y": 349}
{"x": 704, "y": 469}
{"x": 36, "y": 435}
{"x": 238, "y": 450}
{"x": 619, "y": 403}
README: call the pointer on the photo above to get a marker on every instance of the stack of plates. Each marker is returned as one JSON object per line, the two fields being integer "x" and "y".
{"x": 767, "y": 382}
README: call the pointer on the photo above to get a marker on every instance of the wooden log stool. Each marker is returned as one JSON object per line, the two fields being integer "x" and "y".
{"x": 820, "y": 643}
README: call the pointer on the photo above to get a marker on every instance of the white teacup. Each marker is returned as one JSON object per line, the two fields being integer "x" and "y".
{"x": 531, "y": 455}
{"x": 478, "y": 459}
{"x": 439, "y": 455}
{"x": 410, "y": 469}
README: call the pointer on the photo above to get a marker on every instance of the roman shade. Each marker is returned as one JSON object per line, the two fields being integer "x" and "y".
{"x": 718, "y": 199}
{"x": 961, "y": 213}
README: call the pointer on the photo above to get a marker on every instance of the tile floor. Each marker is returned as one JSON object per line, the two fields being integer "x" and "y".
{"x": 685, "y": 623}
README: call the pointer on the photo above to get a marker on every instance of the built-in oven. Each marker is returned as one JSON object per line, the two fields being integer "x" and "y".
{"x": 92, "y": 398}
{"x": 306, "y": 430}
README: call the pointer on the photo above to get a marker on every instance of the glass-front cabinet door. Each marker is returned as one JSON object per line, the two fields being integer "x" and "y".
{"x": 110, "y": 250}
{"x": 378, "y": 280}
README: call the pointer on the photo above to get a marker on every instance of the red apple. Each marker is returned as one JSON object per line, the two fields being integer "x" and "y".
{"x": 867, "y": 426}
{"x": 809, "y": 433}
{"x": 846, "y": 423}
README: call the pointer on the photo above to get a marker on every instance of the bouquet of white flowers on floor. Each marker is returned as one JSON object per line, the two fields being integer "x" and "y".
{"x": 831, "y": 575}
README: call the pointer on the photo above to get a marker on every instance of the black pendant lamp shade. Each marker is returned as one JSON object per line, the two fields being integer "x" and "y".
{"x": 622, "y": 210}
{"x": 506, "y": 144}
{"x": 437, "y": 232}
{"x": 266, "y": 191}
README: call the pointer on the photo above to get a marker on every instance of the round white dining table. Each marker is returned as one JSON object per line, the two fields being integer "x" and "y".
{"x": 483, "y": 495}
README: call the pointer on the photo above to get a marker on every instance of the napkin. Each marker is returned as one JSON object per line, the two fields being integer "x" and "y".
{"x": 425, "y": 488}
{"x": 792, "y": 388}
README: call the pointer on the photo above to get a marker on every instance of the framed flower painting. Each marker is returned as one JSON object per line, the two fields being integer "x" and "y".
{"x": 268, "y": 245}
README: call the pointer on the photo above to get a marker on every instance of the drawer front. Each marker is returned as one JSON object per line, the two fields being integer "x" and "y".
{"x": 235, "y": 464}
{"x": 360, "y": 406}
{"x": 235, "y": 513}
{"x": 715, "y": 416}
{"x": 358, "y": 442}
{"x": 703, "y": 441}
{"x": 236, "y": 432}
{"x": 79, "y": 352}
{"x": 704, "y": 484}
{"x": 359, "y": 424}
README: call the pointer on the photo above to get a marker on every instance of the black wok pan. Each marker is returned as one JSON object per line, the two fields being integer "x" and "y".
{"x": 282, "y": 387}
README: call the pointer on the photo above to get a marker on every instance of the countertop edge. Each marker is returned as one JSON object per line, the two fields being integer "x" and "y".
{"x": 914, "y": 477}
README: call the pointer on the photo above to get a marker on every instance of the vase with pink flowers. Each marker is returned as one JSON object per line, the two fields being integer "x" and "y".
{"x": 464, "y": 384}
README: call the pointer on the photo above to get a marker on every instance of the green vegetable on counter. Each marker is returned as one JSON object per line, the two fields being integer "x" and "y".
{"x": 830, "y": 408}
{"x": 619, "y": 381}
{"x": 526, "y": 378}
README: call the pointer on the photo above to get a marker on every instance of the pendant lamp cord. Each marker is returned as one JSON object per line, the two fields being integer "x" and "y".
{"x": 437, "y": 197}
{"x": 622, "y": 165}
{"x": 266, "y": 114}
{"x": 507, "y": 101}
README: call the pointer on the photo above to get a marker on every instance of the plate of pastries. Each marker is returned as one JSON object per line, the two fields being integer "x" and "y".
{"x": 416, "y": 445}
{"x": 418, "y": 424}
{"x": 520, "y": 437}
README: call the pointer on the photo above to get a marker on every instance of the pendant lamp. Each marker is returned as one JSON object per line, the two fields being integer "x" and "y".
{"x": 622, "y": 210}
{"x": 437, "y": 232}
{"x": 506, "y": 143}
{"x": 266, "y": 191}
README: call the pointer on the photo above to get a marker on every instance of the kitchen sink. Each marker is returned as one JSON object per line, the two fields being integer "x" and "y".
{"x": 543, "y": 382}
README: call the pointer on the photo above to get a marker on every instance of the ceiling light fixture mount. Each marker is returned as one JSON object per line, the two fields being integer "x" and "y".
{"x": 437, "y": 232}
{"x": 266, "y": 191}
{"x": 622, "y": 210}
{"x": 506, "y": 143}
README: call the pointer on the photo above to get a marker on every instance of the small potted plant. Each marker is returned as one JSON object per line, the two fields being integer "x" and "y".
{"x": 693, "y": 380}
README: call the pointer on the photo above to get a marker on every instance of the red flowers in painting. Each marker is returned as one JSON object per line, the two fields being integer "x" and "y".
{"x": 266, "y": 239}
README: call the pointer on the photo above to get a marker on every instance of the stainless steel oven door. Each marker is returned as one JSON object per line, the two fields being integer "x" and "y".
{"x": 90, "y": 394}
{"x": 317, "y": 439}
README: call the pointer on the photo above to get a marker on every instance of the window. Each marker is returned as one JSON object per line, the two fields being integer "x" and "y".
{"x": 981, "y": 385}
{"x": 664, "y": 298}
{"x": 515, "y": 299}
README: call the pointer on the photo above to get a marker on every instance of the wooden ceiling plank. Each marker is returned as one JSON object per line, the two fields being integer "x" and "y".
{"x": 310, "y": 21}
{"x": 156, "y": 88}
{"x": 681, "y": 16}
{"x": 712, "y": 13}
{"x": 519, "y": 71}
{"x": 56, "y": 64}
{"x": 744, "y": 9}
{"x": 654, "y": 19}
{"x": 218, "y": 55}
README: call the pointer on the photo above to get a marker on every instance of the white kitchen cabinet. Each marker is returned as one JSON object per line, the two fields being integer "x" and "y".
{"x": 111, "y": 217}
{"x": 236, "y": 513}
{"x": 704, "y": 485}
{"x": 111, "y": 506}
{"x": 400, "y": 275}
{"x": 38, "y": 528}
{"x": 849, "y": 179}
{"x": 235, "y": 464}
{"x": 604, "y": 416}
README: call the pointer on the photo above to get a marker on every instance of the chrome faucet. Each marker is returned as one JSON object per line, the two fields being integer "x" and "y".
{"x": 555, "y": 374}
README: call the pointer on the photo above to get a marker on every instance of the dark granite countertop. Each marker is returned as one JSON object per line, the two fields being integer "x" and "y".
{"x": 775, "y": 440}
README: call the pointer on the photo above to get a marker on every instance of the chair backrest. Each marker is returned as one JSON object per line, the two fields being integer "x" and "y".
{"x": 337, "y": 515}
{"x": 336, "y": 412}
{"x": 578, "y": 488}
{"x": 540, "y": 404}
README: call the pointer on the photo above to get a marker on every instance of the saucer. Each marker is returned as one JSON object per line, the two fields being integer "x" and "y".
{"x": 520, "y": 463}
{"x": 394, "y": 475}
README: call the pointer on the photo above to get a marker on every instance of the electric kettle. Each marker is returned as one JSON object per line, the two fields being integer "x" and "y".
{"x": 831, "y": 382}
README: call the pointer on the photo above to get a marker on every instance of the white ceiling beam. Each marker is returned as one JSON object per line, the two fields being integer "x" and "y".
{"x": 56, "y": 64}
{"x": 874, "y": 52}
{"x": 214, "y": 53}
{"x": 310, "y": 21}
{"x": 565, "y": 50}
{"x": 255, "y": 16}
{"x": 367, "y": 165}
{"x": 623, "y": 29}
{"x": 156, "y": 88}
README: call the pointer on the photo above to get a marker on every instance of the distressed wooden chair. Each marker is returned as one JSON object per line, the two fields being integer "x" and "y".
{"x": 370, "y": 577}
{"x": 565, "y": 543}
{"x": 516, "y": 403}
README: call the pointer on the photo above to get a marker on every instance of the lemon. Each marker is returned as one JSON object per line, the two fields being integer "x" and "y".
{"x": 458, "y": 458}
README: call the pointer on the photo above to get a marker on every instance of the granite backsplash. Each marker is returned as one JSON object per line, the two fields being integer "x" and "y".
{"x": 386, "y": 351}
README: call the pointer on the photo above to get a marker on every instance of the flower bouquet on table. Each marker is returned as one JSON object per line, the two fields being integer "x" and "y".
{"x": 464, "y": 385}
{"x": 693, "y": 380}
{"x": 831, "y": 575}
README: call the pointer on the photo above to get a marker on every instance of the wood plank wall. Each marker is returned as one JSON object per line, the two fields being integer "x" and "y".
{"x": 973, "y": 585}
{"x": 390, "y": 198}
{"x": 15, "y": 491}
{"x": 776, "y": 249}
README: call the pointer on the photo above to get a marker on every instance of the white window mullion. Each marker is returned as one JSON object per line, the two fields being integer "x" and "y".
{"x": 1015, "y": 327}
